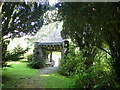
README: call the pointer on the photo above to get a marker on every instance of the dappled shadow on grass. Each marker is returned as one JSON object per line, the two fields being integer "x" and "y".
{"x": 21, "y": 76}
{"x": 17, "y": 74}
{"x": 56, "y": 80}
{"x": 4, "y": 79}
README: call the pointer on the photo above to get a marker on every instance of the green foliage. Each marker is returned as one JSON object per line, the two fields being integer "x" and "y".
{"x": 16, "y": 54}
{"x": 39, "y": 63}
{"x": 4, "y": 51}
{"x": 19, "y": 19}
{"x": 67, "y": 65}
{"x": 93, "y": 24}
{"x": 96, "y": 76}
{"x": 20, "y": 16}
{"x": 89, "y": 70}
{"x": 30, "y": 57}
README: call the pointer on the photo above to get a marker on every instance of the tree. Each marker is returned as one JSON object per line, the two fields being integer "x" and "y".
{"x": 93, "y": 25}
{"x": 22, "y": 17}
{"x": 19, "y": 18}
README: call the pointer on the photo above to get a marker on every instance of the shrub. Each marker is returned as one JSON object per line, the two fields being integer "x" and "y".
{"x": 94, "y": 77}
{"x": 16, "y": 54}
{"x": 30, "y": 57}
{"x": 37, "y": 64}
{"x": 68, "y": 65}
{"x": 90, "y": 70}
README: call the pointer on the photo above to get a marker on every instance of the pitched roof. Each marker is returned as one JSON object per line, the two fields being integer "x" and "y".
{"x": 55, "y": 36}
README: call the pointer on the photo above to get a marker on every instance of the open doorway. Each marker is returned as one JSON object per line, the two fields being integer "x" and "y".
{"x": 56, "y": 56}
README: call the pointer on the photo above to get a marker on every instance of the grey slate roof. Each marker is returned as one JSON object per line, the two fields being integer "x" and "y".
{"x": 52, "y": 39}
{"x": 55, "y": 36}
{"x": 50, "y": 43}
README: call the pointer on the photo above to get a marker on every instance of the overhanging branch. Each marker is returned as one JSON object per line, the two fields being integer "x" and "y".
{"x": 104, "y": 50}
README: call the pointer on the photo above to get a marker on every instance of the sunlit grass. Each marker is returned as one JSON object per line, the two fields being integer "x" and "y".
{"x": 19, "y": 73}
{"x": 18, "y": 68}
{"x": 57, "y": 81}
{"x": 9, "y": 63}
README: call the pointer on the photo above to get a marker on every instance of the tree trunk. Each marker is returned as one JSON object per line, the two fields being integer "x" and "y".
{"x": 116, "y": 66}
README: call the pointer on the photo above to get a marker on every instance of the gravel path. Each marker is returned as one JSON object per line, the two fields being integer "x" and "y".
{"x": 36, "y": 81}
{"x": 48, "y": 70}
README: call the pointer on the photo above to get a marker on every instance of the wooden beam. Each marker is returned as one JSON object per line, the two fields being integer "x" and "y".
{"x": 51, "y": 56}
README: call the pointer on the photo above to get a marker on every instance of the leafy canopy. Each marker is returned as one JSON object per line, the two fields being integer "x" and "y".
{"x": 92, "y": 25}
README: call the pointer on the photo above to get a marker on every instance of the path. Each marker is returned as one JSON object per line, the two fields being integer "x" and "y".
{"x": 36, "y": 81}
{"x": 48, "y": 70}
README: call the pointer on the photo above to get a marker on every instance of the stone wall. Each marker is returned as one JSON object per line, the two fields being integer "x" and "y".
{"x": 41, "y": 51}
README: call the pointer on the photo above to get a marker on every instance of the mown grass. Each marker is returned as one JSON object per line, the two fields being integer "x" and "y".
{"x": 16, "y": 73}
{"x": 21, "y": 76}
{"x": 56, "y": 80}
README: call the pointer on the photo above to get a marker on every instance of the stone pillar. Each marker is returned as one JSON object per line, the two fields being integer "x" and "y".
{"x": 38, "y": 52}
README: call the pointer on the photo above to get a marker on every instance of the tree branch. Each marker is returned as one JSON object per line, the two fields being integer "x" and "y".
{"x": 104, "y": 50}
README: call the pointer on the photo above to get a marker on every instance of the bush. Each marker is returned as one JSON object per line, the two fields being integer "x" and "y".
{"x": 68, "y": 65}
{"x": 30, "y": 57}
{"x": 37, "y": 64}
{"x": 90, "y": 70}
{"x": 16, "y": 54}
{"x": 95, "y": 77}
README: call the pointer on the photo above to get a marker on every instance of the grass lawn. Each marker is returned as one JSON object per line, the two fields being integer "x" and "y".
{"x": 16, "y": 73}
{"x": 57, "y": 81}
{"x": 21, "y": 76}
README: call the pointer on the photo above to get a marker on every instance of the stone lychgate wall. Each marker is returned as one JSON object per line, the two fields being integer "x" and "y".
{"x": 41, "y": 52}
